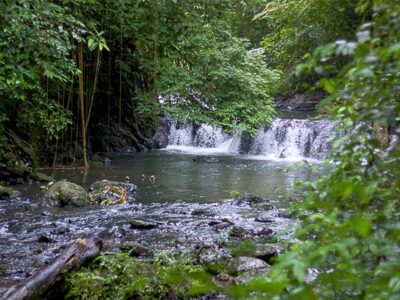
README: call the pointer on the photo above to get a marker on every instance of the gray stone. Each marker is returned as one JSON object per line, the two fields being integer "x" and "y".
{"x": 143, "y": 224}
{"x": 246, "y": 141}
{"x": 244, "y": 264}
{"x": 222, "y": 225}
{"x": 63, "y": 193}
{"x": 265, "y": 232}
{"x": 161, "y": 137}
{"x": 263, "y": 220}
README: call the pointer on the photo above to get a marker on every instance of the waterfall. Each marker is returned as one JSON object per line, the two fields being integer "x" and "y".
{"x": 181, "y": 135}
{"x": 283, "y": 139}
{"x": 201, "y": 136}
{"x": 293, "y": 138}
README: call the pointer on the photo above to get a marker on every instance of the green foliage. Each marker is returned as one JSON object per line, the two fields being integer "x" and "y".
{"x": 35, "y": 47}
{"x": 199, "y": 67}
{"x": 349, "y": 235}
{"x": 298, "y": 27}
{"x": 124, "y": 277}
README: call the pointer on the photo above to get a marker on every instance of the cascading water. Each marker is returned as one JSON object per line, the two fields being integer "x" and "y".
{"x": 208, "y": 136}
{"x": 284, "y": 138}
{"x": 181, "y": 135}
{"x": 293, "y": 138}
{"x": 199, "y": 136}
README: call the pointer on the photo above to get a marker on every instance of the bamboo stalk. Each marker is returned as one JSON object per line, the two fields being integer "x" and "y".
{"x": 82, "y": 105}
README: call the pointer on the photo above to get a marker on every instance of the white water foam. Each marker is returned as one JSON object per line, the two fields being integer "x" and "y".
{"x": 287, "y": 139}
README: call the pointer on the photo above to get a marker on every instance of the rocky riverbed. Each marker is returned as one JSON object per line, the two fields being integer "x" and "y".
{"x": 32, "y": 233}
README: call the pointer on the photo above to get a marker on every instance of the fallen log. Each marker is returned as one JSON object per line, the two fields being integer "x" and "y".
{"x": 78, "y": 253}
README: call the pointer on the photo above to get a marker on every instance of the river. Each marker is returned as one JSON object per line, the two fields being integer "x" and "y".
{"x": 188, "y": 195}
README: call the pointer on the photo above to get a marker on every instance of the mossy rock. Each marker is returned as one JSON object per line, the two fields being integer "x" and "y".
{"x": 63, "y": 193}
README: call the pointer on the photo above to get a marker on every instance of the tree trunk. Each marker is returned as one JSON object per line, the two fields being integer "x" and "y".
{"x": 78, "y": 253}
{"x": 82, "y": 105}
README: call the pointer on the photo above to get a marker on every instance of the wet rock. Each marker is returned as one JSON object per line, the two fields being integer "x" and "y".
{"x": 246, "y": 140}
{"x": 263, "y": 220}
{"x": 206, "y": 159}
{"x": 161, "y": 137}
{"x": 265, "y": 232}
{"x": 237, "y": 232}
{"x": 143, "y": 224}
{"x": 63, "y": 193}
{"x": 136, "y": 250}
{"x": 266, "y": 252}
{"x": 203, "y": 212}
{"x": 45, "y": 239}
{"x": 253, "y": 201}
{"x": 244, "y": 264}
{"x": 222, "y": 225}
{"x": 8, "y": 193}
{"x": 41, "y": 177}
{"x": 108, "y": 192}
{"x": 101, "y": 158}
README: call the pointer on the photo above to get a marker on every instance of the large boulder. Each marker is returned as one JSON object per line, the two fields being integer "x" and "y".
{"x": 63, "y": 193}
{"x": 107, "y": 192}
{"x": 161, "y": 137}
{"x": 244, "y": 264}
{"x": 246, "y": 141}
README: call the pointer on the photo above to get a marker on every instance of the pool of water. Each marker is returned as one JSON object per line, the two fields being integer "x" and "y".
{"x": 180, "y": 177}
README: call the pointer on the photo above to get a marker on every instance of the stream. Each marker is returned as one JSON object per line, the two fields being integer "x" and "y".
{"x": 188, "y": 197}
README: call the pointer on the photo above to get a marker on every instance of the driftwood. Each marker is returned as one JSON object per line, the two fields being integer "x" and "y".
{"x": 78, "y": 253}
